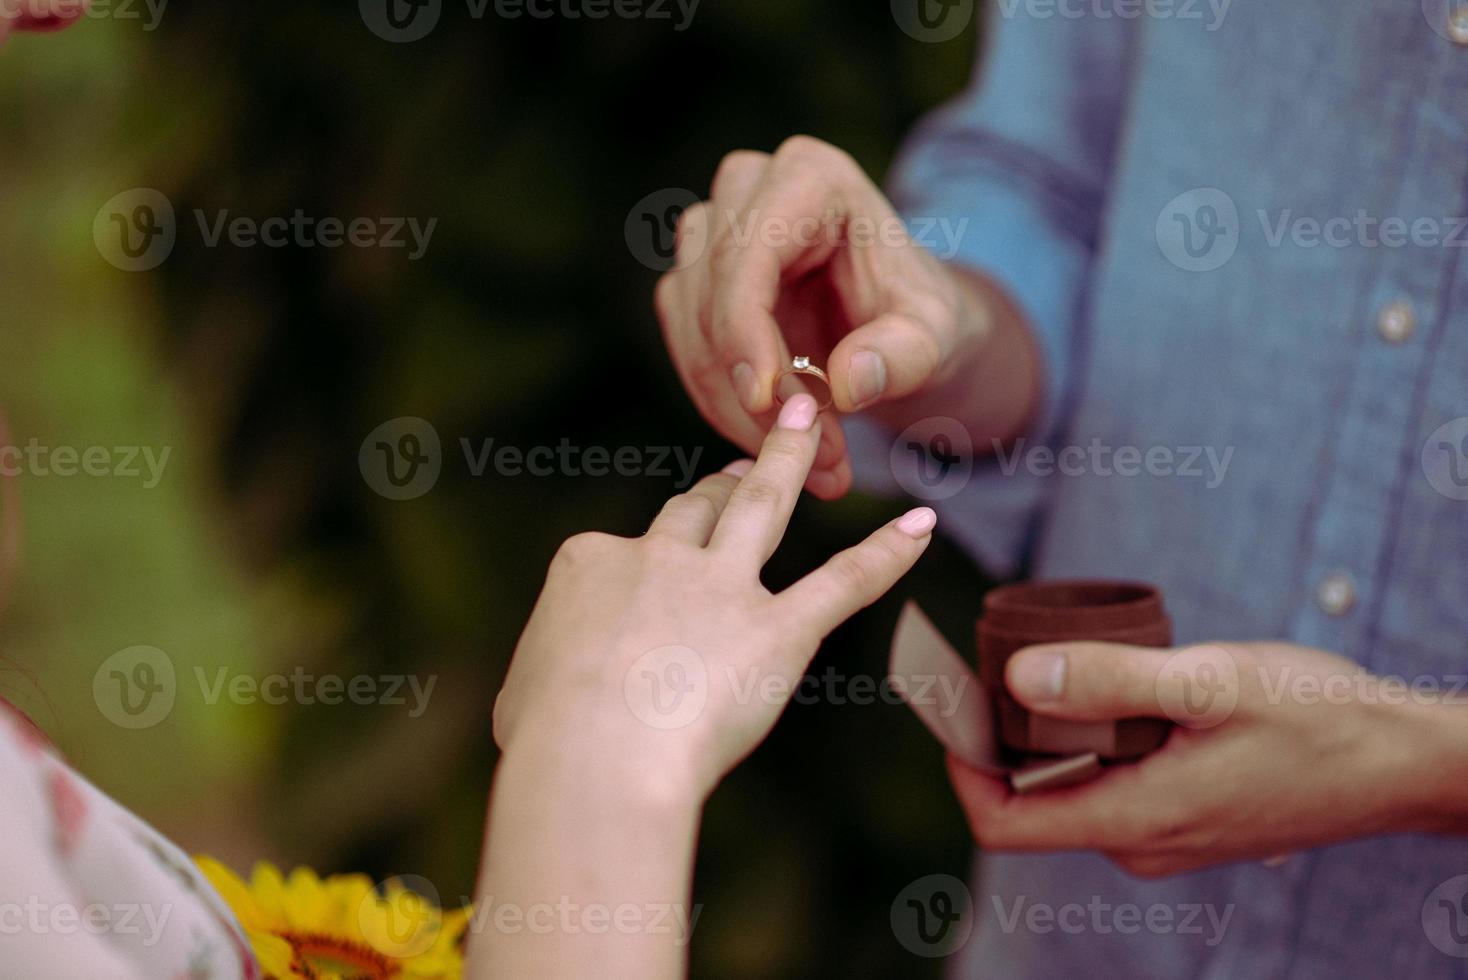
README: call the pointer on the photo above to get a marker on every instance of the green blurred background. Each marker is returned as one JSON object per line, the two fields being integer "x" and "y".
{"x": 528, "y": 321}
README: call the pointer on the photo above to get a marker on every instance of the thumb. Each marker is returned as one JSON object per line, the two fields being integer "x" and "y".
{"x": 889, "y": 357}
{"x": 1092, "y": 681}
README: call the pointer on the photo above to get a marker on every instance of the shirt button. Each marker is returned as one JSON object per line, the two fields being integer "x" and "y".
{"x": 1458, "y": 25}
{"x": 1336, "y": 593}
{"x": 1397, "y": 322}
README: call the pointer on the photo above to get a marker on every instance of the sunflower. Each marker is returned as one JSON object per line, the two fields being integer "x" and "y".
{"x": 303, "y": 927}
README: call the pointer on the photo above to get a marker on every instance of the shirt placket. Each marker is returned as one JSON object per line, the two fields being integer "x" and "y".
{"x": 1346, "y": 546}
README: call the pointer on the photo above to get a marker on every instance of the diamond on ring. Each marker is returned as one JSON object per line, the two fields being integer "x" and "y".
{"x": 801, "y": 365}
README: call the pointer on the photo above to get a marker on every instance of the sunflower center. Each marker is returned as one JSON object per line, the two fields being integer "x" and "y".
{"x": 317, "y": 953}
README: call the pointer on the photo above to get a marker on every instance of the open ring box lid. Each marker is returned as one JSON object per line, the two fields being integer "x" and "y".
{"x": 985, "y": 727}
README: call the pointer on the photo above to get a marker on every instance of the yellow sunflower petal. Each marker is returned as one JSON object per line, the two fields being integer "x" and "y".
{"x": 331, "y": 928}
{"x": 346, "y": 895}
{"x": 268, "y": 887}
{"x": 275, "y": 956}
{"x": 233, "y": 890}
{"x": 403, "y": 924}
{"x": 451, "y": 933}
{"x": 306, "y": 902}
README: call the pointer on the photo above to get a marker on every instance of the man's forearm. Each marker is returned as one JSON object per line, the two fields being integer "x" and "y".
{"x": 1438, "y": 740}
{"x": 586, "y": 872}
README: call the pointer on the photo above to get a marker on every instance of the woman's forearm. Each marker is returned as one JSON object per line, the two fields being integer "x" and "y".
{"x": 587, "y": 871}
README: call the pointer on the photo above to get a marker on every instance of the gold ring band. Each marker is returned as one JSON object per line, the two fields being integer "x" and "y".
{"x": 801, "y": 365}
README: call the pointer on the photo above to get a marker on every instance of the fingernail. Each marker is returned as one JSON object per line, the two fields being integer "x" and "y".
{"x": 739, "y": 468}
{"x": 868, "y": 376}
{"x": 1037, "y": 677}
{"x": 917, "y": 522}
{"x": 746, "y": 385}
{"x": 798, "y": 413}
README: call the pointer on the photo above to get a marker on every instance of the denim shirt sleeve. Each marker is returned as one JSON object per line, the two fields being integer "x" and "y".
{"x": 1010, "y": 178}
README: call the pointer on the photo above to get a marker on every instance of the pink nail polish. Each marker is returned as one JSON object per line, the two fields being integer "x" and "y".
{"x": 798, "y": 414}
{"x": 918, "y": 522}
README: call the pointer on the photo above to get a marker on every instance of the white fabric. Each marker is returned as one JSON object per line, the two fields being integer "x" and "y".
{"x": 89, "y": 890}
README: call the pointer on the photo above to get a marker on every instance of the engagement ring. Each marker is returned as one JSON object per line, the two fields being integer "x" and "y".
{"x": 805, "y": 369}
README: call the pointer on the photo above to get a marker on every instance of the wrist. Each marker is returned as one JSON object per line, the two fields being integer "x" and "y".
{"x": 1436, "y": 736}
{"x": 610, "y": 766}
{"x": 572, "y": 828}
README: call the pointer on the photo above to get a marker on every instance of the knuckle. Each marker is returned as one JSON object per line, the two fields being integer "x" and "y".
{"x": 736, "y": 165}
{"x": 1159, "y": 825}
{"x": 797, "y": 145}
{"x": 709, "y": 375}
{"x": 584, "y": 547}
{"x": 934, "y": 308}
{"x": 933, "y": 333}
{"x": 690, "y": 218}
{"x": 704, "y": 501}
{"x": 856, "y": 572}
{"x": 665, "y": 549}
{"x": 1245, "y": 660}
{"x": 1100, "y": 685}
{"x": 757, "y": 491}
{"x": 804, "y": 148}
{"x": 783, "y": 450}
{"x": 663, "y": 298}
{"x": 717, "y": 487}
{"x": 725, "y": 251}
{"x": 722, "y": 482}
{"x": 807, "y": 160}
{"x": 1117, "y": 830}
{"x": 691, "y": 232}
{"x": 1168, "y": 825}
{"x": 1095, "y": 676}
{"x": 883, "y": 550}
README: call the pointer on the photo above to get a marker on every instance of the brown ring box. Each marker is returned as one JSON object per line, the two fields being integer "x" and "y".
{"x": 1017, "y": 616}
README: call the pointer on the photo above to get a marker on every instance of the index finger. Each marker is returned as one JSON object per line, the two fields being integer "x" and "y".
{"x": 782, "y": 232}
{"x": 1097, "y": 816}
{"x": 759, "y": 508}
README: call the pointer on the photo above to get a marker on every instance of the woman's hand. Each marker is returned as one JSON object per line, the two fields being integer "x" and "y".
{"x": 1280, "y": 748}
{"x": 664, "y": 655}
{"x": 649, "y": 668}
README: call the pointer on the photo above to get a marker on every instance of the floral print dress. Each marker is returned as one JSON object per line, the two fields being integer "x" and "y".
{"x": 87, "y": 890}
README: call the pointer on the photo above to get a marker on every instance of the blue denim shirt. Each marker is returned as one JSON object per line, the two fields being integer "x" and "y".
{"x": 1241, "y": 233}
